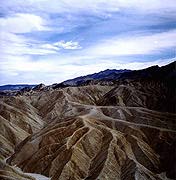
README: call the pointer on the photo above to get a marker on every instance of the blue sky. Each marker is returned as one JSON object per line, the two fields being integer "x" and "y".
{"x": 50, "y": 41}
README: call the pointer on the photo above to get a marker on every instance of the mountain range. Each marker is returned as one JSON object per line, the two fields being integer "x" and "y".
{"x": 115, "y": 125}
{"x": 15, "y": 87}
{"x": 109, "y": 76}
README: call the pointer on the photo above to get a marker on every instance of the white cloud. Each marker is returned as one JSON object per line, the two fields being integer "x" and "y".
{"x": 50, "y": 46}
{"x": 67, "y": 45}
{"x": 138, "y": 44}
{"x": 23, "y": 63}
{"x": 12, "y": 44}
{"x": 23, "y": 23}
{"x": 92, "y": 6}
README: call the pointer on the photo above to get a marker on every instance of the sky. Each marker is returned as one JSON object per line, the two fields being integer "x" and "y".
{"x": 49, "y": 41}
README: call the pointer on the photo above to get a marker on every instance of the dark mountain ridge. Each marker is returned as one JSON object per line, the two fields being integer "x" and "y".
{"x": 163, "y": 73}
{"x": 15, "y": 87}
{"x": 106, "y": 74}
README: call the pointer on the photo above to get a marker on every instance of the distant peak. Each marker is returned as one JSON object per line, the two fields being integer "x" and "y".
{"x": 39, "y": 87}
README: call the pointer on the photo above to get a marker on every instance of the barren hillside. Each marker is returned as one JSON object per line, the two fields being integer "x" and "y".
{"x": 123, "y": 132}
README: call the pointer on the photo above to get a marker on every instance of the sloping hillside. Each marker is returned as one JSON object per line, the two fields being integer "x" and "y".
{"x": 123, "y": 131}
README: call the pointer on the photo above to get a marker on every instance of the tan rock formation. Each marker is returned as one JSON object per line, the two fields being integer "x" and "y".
{"x": 96, "y": 132}
{"x": 18, "y": 119}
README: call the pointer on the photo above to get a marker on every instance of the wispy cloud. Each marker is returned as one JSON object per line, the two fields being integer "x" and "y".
{"x": 67, "y": 45}
{"x": 136, "y": 44}
{"x": 89, "y": 5}
{"x": 12, "y": 44}
{"x": 23, "y": 23}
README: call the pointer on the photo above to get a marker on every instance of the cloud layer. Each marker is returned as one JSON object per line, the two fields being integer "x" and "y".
{"x": 51, "y": 41}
